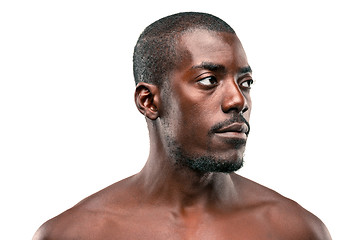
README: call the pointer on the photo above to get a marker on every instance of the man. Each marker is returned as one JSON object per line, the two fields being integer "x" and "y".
{"x": 193, "y": 86}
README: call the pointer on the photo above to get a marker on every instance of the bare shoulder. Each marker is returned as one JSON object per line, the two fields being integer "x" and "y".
{"x": 71, "y": 224}
{"x": 92, "y": 218}
{"x": 286, "y": 217}
{"x": 291, "y": 219}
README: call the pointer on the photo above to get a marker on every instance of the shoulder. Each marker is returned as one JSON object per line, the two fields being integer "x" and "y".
{"x": 59, "y": 227}
{"x": 283, "y": 215}
{"x": 75, "y": 223}
{"x": 290, "y": 219}
{"x": 92, "y": 218}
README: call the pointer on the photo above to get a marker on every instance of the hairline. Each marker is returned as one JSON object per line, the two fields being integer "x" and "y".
{"x": 170, "y": 37}
{"x": 178, "y": 48}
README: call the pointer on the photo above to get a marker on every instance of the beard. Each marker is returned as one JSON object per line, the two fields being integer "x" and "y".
{"x": 202, "y": 163}
{"x": 205, "y": 163}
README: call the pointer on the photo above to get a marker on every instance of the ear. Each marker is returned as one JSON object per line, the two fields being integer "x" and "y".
{"x": 147, "y": 100}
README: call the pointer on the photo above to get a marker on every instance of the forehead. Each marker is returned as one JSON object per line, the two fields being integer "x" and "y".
{"x": 221, "y": 48}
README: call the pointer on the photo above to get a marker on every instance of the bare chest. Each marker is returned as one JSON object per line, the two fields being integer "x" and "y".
{"x": 166, "y": 227}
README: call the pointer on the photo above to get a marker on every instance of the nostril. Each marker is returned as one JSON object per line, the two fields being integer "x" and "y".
{"x": 245, "y": 109}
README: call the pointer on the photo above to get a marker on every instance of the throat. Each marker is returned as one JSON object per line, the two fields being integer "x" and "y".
{"x": 187, "y": 190}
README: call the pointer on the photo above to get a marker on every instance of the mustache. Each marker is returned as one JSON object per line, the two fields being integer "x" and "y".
{"x": 235, "y": 119}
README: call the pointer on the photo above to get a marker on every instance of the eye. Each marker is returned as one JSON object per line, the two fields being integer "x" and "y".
{"x": 247, "y": 83}
{"x": 208, "y": 81}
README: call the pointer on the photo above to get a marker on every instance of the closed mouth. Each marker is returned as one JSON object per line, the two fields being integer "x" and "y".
{"x": 235, "y": 128}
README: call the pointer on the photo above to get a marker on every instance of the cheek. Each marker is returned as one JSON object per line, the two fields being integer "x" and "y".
{"x": 197, "y": 123}
{"x": 248, "y": 112}
{"x": 192, "y": 119}
{"x": 193, "y": 114}
{"x": 189, "y": 123}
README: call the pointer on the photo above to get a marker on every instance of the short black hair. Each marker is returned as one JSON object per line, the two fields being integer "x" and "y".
{"x": 155, "y": 51}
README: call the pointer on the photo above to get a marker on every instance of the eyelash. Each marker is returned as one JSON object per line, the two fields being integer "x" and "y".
{"x": 212, "y": 78}
{"x": 250, "y": 82}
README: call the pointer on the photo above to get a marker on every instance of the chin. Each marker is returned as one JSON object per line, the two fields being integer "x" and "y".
{"x": 214, "y": 159}
{"x": 210, "y": 163}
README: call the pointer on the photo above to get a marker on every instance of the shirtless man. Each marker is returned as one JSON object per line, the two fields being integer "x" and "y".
{"x": 193, "y": 85}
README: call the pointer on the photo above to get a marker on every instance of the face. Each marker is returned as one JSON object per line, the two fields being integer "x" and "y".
{"x": 207, "y": 103}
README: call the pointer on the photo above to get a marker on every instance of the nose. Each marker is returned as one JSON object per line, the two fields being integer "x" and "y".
{"x": 234, "y": 99}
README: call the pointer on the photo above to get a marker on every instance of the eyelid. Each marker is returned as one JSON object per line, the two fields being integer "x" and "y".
{"x": 196, "y": 78}
{"x": 208, "y": 78}
{"x": 245, "y": 77}
{"x": 250, "y": 81}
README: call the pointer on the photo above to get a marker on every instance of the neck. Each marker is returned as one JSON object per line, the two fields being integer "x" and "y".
{"x": 163, "y": 181}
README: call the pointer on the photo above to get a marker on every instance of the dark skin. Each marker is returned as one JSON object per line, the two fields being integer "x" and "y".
{"x": 167, "y": 200}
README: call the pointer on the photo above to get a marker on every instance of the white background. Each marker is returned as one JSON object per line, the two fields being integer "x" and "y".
{"x": 69, "y": 127}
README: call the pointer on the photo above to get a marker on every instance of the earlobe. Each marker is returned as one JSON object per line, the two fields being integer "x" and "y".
{"x": 147, "y": 100}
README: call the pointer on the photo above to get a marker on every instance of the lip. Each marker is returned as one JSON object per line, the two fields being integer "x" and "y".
{"x": 235, "y": 128}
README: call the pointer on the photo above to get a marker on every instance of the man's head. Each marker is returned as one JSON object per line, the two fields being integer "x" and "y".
{"x": 193, "y": 85}
{"x": 155, "y": 53}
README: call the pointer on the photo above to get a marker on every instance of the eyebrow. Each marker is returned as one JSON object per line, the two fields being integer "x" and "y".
{"x": 246, "y": 69}
{"x": 220, "y": 68}
{"x": 210, "y": 66}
